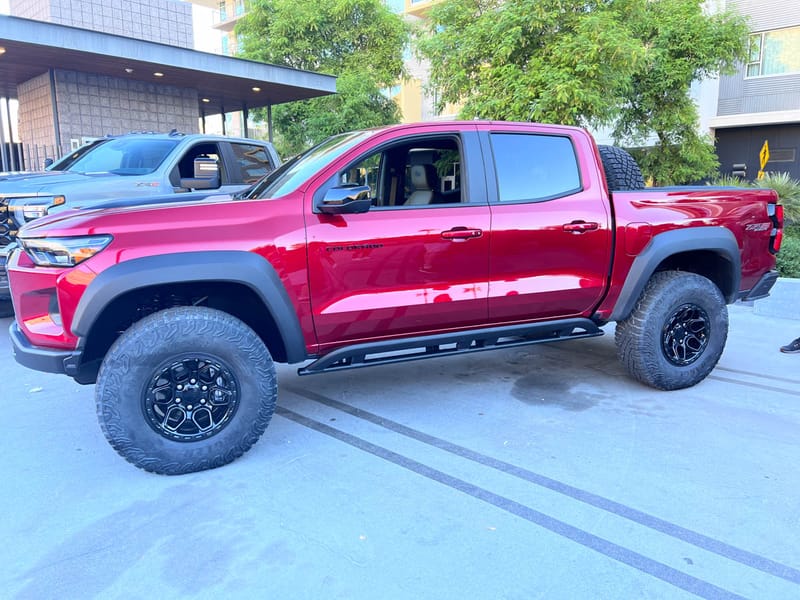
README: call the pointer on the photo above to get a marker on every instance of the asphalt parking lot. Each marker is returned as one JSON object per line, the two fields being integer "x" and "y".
{"x": 542, "y": 472}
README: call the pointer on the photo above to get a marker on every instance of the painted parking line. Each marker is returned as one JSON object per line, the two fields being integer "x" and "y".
{"x": 683, "y": 534}
{"x": 688, "y": 583}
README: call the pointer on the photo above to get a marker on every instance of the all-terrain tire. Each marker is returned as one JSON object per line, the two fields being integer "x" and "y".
{"x": 676, "y": 333}
{"x": 622, "y": 172}
{"x": 185, "y": 389}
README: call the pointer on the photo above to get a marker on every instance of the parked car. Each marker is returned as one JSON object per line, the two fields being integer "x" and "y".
{"x": 375, "y": 247}
{"x": 127, "y": 166}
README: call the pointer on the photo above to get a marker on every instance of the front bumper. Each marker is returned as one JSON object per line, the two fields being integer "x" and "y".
{"x": 38, "y": 358}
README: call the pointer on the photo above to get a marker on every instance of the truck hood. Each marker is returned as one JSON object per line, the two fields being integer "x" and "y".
{"x": 85, "y": 218}
{"x": 34, "y": 182}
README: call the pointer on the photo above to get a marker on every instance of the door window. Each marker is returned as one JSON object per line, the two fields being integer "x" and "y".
{"x": 425, "y": 172}
{"x": 185, "y": 167}
{"x": 252, "y": 163}
{"x": 534, "y": 168}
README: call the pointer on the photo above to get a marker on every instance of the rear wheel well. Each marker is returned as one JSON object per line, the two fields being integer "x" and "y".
{"x": 709, "y": 264}
{"x": 233, "y": 298}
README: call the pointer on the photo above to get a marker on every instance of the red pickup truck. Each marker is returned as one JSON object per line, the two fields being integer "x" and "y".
{"x": 379, "y": 246}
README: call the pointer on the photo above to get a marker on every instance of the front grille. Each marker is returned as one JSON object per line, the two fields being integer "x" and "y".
{"x": 8, "y": 229}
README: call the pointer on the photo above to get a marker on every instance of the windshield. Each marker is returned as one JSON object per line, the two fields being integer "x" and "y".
{"x": 291, "y": 174}
{"x": 122, "y": 156}
{"x": 63, "y": 163}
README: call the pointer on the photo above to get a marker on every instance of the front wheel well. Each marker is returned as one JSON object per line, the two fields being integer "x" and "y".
{"x": 126, "y": 309}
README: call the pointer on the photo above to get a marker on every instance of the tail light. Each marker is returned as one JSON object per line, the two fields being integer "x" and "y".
{"x": 775, "y": 212}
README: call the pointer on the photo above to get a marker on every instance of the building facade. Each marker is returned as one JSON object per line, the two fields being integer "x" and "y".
{"x": 81, "y": 69}
{"x": 99, "y": 104}
{"x": 761, "y": 102}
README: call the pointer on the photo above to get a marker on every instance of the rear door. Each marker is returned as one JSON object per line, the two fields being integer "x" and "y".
{"x": 550, "y": 250}
{"x": 418, "y": 260}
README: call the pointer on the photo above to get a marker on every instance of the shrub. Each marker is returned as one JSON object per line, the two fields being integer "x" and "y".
{"x": 728, "y": 181}
{"x": 788, "y": 191}
{"x": 789, "y": 256}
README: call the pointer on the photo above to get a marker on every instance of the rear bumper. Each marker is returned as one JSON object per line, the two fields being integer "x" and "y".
{"x": 762, "y": 288}
{"x": 38, "y": 358}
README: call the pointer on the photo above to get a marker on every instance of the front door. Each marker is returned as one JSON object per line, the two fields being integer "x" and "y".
{"x": 417, "y": 261}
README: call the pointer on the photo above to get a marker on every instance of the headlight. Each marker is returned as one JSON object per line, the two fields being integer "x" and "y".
{"x": 32, "y": 207}
{"x": 65, "y": 251}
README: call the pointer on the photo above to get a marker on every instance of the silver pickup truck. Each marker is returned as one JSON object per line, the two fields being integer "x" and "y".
{"x": 133, "y": 165}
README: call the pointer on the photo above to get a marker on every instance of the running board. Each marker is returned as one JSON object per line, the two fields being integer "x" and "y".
{"x": 461, "y": 342}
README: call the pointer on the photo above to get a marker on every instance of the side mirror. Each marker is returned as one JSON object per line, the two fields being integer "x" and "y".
{"x": 206, "y": 175}
{"x": 346, "y": 200}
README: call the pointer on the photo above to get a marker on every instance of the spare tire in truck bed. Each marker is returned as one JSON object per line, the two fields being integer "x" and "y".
{"x": 622, "y": 172}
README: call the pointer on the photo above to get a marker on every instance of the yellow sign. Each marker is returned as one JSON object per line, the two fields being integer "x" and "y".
{"x": 764, "y": 157}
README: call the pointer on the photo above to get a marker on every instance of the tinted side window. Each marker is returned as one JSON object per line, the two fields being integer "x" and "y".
{"x": 185, "y": 167}
{"x": 533, "y": 168}
{"x": 252, "y": 163}
{"x": 416, "y": 173}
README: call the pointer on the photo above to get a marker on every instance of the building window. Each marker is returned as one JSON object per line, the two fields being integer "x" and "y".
{"x": 223, "y": 12}
{"x": 774, "y": 52}
{"x": 238, "y": 8}
{"x": 225, "y": 45}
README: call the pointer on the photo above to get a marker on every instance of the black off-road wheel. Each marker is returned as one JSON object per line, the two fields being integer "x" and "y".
{"x": 676, "y": 332}
{"x": 622, "y": 172}
{"x": 185, "y": 389}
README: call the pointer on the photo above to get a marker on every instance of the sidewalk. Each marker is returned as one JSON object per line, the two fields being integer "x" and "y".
{"x": 782, "y": 301}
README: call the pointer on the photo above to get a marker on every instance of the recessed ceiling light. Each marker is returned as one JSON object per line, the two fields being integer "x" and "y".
{"x": 2, "y": 50}
{"x": 256, "y": 89}
{"x": 158, "y": 74}
{"x": 206, "y": 100}
{"x": 128, "y": 70}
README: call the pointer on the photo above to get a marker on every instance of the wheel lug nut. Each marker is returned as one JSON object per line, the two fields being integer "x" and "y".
{"x": 189, "y": 407}
{"x": 180, "y": 387}
{"x": 202, "y": 400}
{"x": 193, "y": 381}
{"x": 178, "y": 400}
{"x": 204, "y": 388}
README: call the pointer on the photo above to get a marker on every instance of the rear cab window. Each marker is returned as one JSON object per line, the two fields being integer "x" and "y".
{"x": 532, "y": 167}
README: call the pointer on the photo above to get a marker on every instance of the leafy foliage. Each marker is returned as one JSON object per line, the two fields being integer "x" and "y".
{"x": 789, "y": 255}
{"x": 683, "y": 45}
{"x": 629, "y": 63}
{"x": 360, "y": 41}
{"x": 542, "y": 60}
{"x": 788, "y": 191}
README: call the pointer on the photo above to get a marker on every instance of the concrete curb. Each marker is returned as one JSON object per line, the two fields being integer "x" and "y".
{"x": 783, "y": 301}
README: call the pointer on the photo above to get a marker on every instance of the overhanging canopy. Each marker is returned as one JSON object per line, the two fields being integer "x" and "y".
{"x": 34, "y": 47}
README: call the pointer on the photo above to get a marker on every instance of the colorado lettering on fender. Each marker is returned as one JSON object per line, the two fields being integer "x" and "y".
{"x": 353, "y": 247}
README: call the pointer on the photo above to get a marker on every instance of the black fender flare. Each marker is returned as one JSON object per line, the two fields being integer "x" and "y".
{"x": 233, "y": 266}
{"x": 719, "y": 240}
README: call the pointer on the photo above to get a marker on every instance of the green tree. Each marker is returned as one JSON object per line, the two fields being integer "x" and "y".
{"x": 683, "y": 45}
{"x": 626, "y": 63}
{"x": 359, "y": 41}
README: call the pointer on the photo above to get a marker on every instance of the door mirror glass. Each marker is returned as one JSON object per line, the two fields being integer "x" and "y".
{"x": 346, "y": 199}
